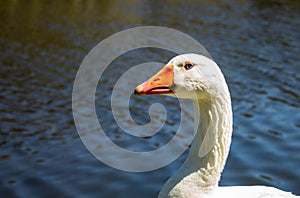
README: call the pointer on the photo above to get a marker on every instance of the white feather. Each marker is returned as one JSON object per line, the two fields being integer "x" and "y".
{"x": 200, "y": 174}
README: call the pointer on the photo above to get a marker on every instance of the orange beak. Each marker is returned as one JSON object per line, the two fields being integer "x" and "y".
{"x": 160, "y": 83}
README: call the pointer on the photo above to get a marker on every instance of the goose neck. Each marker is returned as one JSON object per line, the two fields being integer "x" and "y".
{"x": 202, "y": 169}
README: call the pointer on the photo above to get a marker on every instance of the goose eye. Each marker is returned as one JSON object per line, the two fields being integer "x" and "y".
{"x": 188, "y": 66}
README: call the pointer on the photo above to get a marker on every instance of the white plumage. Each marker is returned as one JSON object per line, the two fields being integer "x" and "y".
{"x": 200, "y": 79}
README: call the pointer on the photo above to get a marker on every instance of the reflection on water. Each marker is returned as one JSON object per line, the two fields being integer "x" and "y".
{"x": 42, "y": 44}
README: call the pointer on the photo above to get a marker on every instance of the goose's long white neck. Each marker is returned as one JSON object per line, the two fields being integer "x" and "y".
{"x": 201, "y": 172}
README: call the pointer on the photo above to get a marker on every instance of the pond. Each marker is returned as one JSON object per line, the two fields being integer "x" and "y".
{"x": 42, "y": 44}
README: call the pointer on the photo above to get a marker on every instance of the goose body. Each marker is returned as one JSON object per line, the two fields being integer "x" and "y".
{"x": 200, "y": 79}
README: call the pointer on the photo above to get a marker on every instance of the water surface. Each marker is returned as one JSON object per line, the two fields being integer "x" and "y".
{"x": 42, "y": 43}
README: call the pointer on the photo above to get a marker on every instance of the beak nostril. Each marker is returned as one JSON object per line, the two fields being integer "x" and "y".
{"x": 157, "y": 79}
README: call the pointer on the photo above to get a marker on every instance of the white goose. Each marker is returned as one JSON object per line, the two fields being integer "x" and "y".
{"x": 199, "y": 78}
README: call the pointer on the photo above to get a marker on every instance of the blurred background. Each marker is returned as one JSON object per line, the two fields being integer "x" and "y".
{"x": 42, "y": 44}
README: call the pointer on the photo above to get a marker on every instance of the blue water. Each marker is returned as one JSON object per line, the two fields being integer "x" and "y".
{"x": 42, "y": 44}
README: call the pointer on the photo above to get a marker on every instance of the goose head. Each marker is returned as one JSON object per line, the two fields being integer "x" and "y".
{"x": 198, "y": 78}
{"x": 186, "y": 76}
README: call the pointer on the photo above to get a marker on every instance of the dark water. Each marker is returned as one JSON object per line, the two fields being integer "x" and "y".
{"x": 42, "y": 44}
